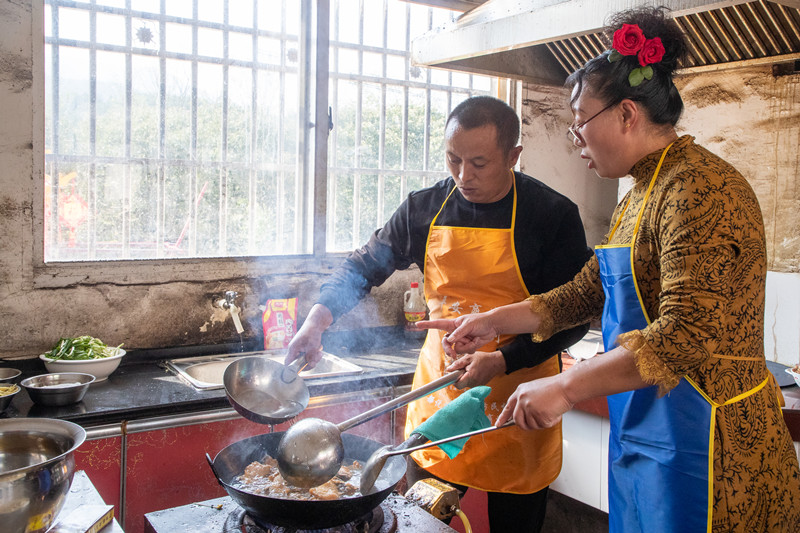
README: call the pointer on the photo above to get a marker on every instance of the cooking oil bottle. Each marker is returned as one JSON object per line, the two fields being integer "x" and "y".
{"x": 414, "y": 309}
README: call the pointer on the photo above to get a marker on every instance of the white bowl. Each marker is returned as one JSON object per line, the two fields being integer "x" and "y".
{"x": 99, "y": 368}
{"x": 795, "y": 375}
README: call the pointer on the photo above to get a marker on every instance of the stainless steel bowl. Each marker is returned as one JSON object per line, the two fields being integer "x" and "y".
{"x": 9, "y": 375}
{"x": 57, "y": 389}
{"x": 5, "y": 400}
{"x": 37, "y": 463}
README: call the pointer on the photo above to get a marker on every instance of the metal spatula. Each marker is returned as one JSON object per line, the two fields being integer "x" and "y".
{"x": 378, "y": 458}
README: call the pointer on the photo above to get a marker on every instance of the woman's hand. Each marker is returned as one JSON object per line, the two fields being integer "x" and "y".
{"x": 537, "y": 404}
{"x": 466, "y": 333}
{"x": 480, "y": 368}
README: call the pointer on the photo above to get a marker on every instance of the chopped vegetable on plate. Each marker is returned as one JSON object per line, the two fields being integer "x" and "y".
{"x": 81, "y": 348}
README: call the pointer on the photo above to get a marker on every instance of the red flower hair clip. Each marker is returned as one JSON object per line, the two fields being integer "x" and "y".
{"x": 630, "y": 40}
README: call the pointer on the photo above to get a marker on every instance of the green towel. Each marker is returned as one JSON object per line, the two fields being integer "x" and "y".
{"x": 462, "y": 415}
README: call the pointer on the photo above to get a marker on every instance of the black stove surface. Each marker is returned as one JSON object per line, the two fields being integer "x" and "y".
{"x": 223, "y": 515}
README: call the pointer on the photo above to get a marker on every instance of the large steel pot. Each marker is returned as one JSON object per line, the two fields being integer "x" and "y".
{"x": 232, "y": 460}
{"x": 36, "y": 468}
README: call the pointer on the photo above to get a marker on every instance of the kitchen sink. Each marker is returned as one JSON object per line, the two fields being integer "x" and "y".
{"x": 206, "y": 372}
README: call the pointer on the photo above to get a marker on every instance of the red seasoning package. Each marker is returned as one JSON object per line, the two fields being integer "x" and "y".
{"x": 279, "y": 321}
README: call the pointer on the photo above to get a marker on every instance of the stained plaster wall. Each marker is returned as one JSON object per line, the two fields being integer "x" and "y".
{"x": 748, "y": 117}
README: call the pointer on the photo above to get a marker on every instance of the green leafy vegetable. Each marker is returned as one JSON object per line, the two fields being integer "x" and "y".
{"x": 81, "y": 348}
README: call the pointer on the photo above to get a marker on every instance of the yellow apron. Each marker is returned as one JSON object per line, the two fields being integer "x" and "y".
{"x": 472, "y": 270}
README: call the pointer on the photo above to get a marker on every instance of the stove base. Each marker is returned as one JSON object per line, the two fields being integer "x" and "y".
{"x": 213, "y": 516}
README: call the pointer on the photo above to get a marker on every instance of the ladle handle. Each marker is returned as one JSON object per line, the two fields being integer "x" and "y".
{"x": 400, "y": 401}
{"x": 448, "y": 439}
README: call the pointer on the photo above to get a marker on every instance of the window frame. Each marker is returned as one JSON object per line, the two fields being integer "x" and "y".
{"x": 124, "y": 272}
{"x": 141, "y": 271}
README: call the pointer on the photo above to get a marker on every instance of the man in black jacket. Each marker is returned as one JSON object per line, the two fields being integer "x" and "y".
{"x": 483, "y": 237}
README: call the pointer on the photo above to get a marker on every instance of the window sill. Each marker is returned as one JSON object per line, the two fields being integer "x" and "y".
{"x": 146, "y": 272}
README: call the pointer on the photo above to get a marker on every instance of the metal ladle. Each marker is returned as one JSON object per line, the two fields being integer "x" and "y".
{"x": 311, "y": 451}
{"x": 265, "y": 391}
{"x": 372, "y": 469}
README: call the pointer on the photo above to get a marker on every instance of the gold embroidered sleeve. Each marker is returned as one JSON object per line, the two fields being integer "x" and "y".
{"x": 650, "y": 366}
{"x": 574, "y": 303}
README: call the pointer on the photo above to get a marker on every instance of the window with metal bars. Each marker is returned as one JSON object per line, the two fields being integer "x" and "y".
{"x": 184, "y": 129}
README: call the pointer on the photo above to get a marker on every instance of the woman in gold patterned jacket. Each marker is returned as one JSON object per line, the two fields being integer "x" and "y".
{"x": 697, "y": 441}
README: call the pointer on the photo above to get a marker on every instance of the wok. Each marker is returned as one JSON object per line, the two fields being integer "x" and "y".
{"x": 231, "y": 461}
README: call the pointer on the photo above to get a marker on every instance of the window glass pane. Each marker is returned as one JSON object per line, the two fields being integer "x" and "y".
{"x": 348, "y": 62}
{"x": 209, "y": 112}
{"x": 210, "y": 10}
{"x": 179, "y": 38}
{"x": 240, "y": 94}
{"x": 373, "y": 64}
{"x": 178, "y": 109}
{"x": 346, "y": 27}
{"x": 111, "y": 29}
{"x": 373, "y": 32}
{"x": 416, "y": 129}
{"x": 369, "y": 143}
{"x": 240, "y": 12}
{"x": 393, "y": 155}
{"x": 144, "y": 110}
{"x": 459, "y": 79}
{"x": 179, "y": 8}
{"x": 396, "y": 29}
{"x": 388, "y": 136}
{"x": 269, "y": 51}
{"x": 166, "y": 162}
{"x": 74, "y": 111}
{"x": 110, "y": 104}
{"x": 73, "y": 24}
{"x": 439, "y": 112}
{"x": 396, "y": 67}
{"x": 440, "y": 77}
{"x": 150, "y": 6}
{"x": 240, "y": 46}
{"x": 209, "y": 42}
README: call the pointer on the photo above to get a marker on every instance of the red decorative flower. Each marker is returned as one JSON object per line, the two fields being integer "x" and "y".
{"x": 651, "y": 52}
{"x": 629, "y": 39}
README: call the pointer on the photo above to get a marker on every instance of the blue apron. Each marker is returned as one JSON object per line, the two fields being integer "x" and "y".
{"x": 660, "y": 456}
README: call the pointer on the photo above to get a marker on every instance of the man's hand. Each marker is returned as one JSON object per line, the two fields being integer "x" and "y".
{"x": 480, "y": 368}
{"x": 308, "y": 341}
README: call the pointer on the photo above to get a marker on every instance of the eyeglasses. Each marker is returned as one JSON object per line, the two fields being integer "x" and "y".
{"x": 572, "y": 132}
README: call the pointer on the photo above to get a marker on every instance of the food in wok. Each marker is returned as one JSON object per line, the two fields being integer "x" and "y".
{"x": 263, "y": 477}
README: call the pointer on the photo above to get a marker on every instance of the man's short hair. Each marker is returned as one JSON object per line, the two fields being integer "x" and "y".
{"x": 482, "y": 110}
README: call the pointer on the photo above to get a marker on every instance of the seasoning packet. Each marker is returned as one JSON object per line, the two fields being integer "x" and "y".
{"x": 280, "y": 322}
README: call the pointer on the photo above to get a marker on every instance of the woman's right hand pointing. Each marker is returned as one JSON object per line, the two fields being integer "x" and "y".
{"x": 466, "y": 334}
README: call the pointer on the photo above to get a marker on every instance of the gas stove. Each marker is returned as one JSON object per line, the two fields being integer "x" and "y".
{"x": 223, "y": 515}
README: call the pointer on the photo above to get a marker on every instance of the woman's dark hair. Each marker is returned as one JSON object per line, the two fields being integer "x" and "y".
{"x": 482, "y": 110}
{"x": 608, "y": 81}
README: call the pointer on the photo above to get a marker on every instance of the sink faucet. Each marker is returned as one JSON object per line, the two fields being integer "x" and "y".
{"x": 229, "y": 303}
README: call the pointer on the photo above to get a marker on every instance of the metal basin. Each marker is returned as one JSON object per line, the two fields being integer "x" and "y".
{"x": 206, "y": 372}
{"x": 36, "y": 467}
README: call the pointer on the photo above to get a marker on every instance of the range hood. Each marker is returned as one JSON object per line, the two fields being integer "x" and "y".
{"x": 543, "y": 41}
